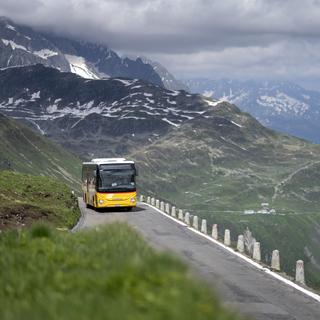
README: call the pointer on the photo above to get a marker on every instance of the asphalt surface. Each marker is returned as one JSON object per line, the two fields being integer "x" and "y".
{"x": 240, "y": 285}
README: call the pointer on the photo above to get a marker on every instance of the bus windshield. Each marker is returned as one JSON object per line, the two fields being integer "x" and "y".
{"x": 116, "y": 179}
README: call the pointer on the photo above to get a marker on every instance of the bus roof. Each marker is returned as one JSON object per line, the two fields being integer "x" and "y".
{"x": 109, "y": 161}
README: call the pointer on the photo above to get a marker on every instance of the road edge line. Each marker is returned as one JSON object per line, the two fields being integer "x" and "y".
{"x": 81, "y": 219}
{"x": 243, "y": 257}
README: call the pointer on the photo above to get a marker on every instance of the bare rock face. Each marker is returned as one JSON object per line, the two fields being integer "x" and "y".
{"x": 23, "y": 46}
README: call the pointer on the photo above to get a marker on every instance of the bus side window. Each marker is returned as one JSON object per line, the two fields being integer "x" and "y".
{"x": 94, "y": 177}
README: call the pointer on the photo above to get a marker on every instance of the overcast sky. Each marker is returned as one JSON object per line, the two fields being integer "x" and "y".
{"x": 270, "y": 39}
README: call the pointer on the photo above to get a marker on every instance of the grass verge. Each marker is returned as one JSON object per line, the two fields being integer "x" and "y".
{"x": 25, "y": 199}
{"x": 107, "y": 274}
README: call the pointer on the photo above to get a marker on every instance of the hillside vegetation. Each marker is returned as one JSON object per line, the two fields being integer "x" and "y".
{"x": 23, "y": 150}
{"x": 230, "y": 163}
{"x": 26, "y": 199}
{"x": 107, "y": 274}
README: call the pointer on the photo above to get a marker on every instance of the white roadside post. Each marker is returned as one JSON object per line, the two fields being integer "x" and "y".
{"x": 256, "y": 251}
{"x": 180, "y": 214}
{"x": 141, "y": 198}
{"x": 148, "y": 200}
{"x": 167, "y": 208}
{"x": 157, "y": 204}
{"x": 195, "y": 224}
{"x": 214, "y": 233}
{"x": 240, "y": 243}
{"x": 162, "y": 206}
{"x": 300, "y": 272}
{"x": 173, "y": 212}
{"x": 227, "y": 237}
{"x": 204, "y": 226}
{"x": 152, "y": 201}
{"x": 275, "y": 260}
{"x": 187, "y": 219}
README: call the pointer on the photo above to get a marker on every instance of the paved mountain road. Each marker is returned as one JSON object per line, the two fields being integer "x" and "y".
{"x": 240, "y": 285}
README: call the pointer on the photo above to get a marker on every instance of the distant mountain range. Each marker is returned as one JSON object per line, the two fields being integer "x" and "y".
{"x": 283, "y": 106}
{"x": 21, "y": 46}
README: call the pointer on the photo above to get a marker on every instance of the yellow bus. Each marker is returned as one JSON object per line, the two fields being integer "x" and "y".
{"x": 109, "y": 182}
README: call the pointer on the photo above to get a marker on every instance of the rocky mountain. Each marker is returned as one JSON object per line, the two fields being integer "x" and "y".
{"x": 21, "y": 46}
{"x": 167, "y": 78}
{"x": 282, "y": 106}
{"x": 24, "y": 150}
{"x": 99, "y": 117}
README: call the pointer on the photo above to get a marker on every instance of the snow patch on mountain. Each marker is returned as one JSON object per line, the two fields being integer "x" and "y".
{"x": 212, "y": 103}
{"x": 283, "y": 103}
{"x": 35, "y": 95}
{"x": 45, "y": 53}
{"x": 171, "y": 123}
{"x": 236, "y": 124}
{"x": 127, "y": 83}
{"x": 14, "y": 45}
{"x": 79, "y": 66}
{"x": 8, "y": 26}
{"x": 173, "y": 93}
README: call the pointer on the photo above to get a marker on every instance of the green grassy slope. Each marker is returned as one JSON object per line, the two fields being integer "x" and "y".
{"x": 218, "y": 165}
{"x": 229, "y": 162}
{"x": 29, "y": 152}
{"x": 109, "y": 274}
{"x": 25, "y": 199}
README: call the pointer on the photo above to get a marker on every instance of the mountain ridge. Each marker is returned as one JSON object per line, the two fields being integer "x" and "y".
{"x": 280, "y": 105}
{"x": 64, "y": 105}
{"x": 20, "y": 46}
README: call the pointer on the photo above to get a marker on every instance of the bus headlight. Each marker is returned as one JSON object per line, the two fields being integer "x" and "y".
{"x": 101, "y": 201}
{"x": 133, "y": 200}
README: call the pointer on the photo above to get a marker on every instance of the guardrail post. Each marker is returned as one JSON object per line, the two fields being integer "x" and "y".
{"x": 240, "y": 244}
{"x": 204, "y": 226}
{"x": 300, "y": 272}
{"x": 180, "y": 214}
{"x": 162, "y": 206}
{"x": 275, "y": 260}
{"x": 167, "y": 208}
{"x": 157, "y": 204}
{"x": 214, "y": 233}
{"x": 195, "y": 224}
{"x": 227, "y": 237}
{"x": 148, "y": 200}
{"x": 256, "y": 251}
{"x": 141, "y": 198}
{"x": 173, "y": 212}
{"x": 152, "y": 201}
{"x": 187, "y": 218}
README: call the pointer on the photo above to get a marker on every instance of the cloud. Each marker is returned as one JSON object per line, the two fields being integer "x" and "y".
{"x": 192, "y": 37}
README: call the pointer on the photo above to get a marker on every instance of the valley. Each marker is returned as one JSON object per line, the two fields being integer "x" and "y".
{"x": 202, "y": 154}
